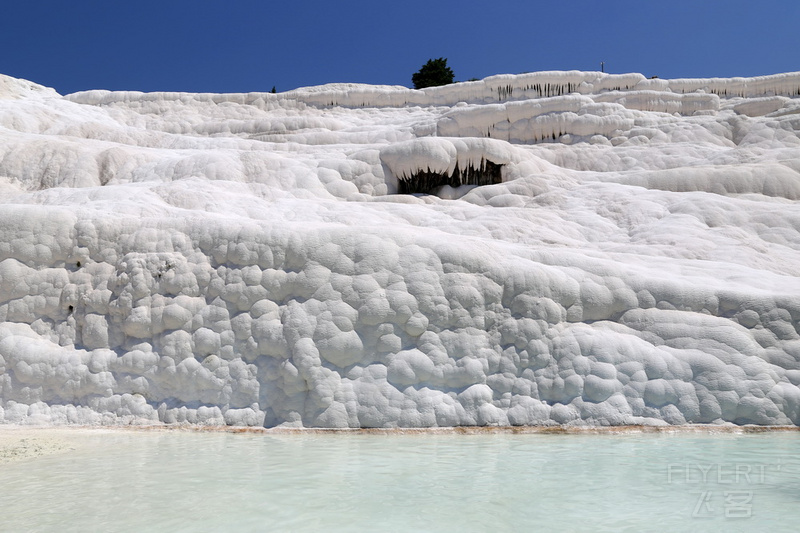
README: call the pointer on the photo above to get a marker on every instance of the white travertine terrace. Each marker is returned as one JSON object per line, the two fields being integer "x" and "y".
{"x": 243, "y": 259}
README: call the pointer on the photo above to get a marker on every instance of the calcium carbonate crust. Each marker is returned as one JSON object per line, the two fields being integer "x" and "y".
{"x": 171, "y": 258}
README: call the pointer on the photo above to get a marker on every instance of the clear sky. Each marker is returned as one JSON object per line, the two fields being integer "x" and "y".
{"x": 253, "y": 45}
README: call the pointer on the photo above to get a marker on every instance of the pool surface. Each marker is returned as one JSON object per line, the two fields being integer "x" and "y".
{"x": 204, "y": 481}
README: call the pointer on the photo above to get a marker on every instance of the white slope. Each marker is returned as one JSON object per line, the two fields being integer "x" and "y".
{"x": 243, "y": 259}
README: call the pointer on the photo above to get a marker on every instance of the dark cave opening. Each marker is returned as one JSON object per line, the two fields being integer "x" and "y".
{"x": 425, "y": 181}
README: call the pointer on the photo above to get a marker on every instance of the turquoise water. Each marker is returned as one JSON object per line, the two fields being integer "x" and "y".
{"x": 184, "y": 481}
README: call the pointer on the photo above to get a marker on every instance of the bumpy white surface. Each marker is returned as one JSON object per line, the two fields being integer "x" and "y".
{"x": 241, "y": 259}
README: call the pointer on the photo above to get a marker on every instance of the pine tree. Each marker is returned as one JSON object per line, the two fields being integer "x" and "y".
{"x": 432, "y": 74}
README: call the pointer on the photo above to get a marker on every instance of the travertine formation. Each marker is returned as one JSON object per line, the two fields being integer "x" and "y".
{"x": 246, "y": 259}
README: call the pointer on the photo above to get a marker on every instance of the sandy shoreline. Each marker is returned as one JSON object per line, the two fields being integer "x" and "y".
{"x": 19, "y": 443}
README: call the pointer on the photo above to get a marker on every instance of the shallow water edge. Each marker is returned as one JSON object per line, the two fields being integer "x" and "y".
{"x": 464, "y": 430}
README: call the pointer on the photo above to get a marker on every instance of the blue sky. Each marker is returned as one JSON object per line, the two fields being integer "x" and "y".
{"x": 251, "y": 45}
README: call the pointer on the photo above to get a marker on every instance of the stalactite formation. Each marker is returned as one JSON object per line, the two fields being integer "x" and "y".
{"x": 425, "y": 181}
